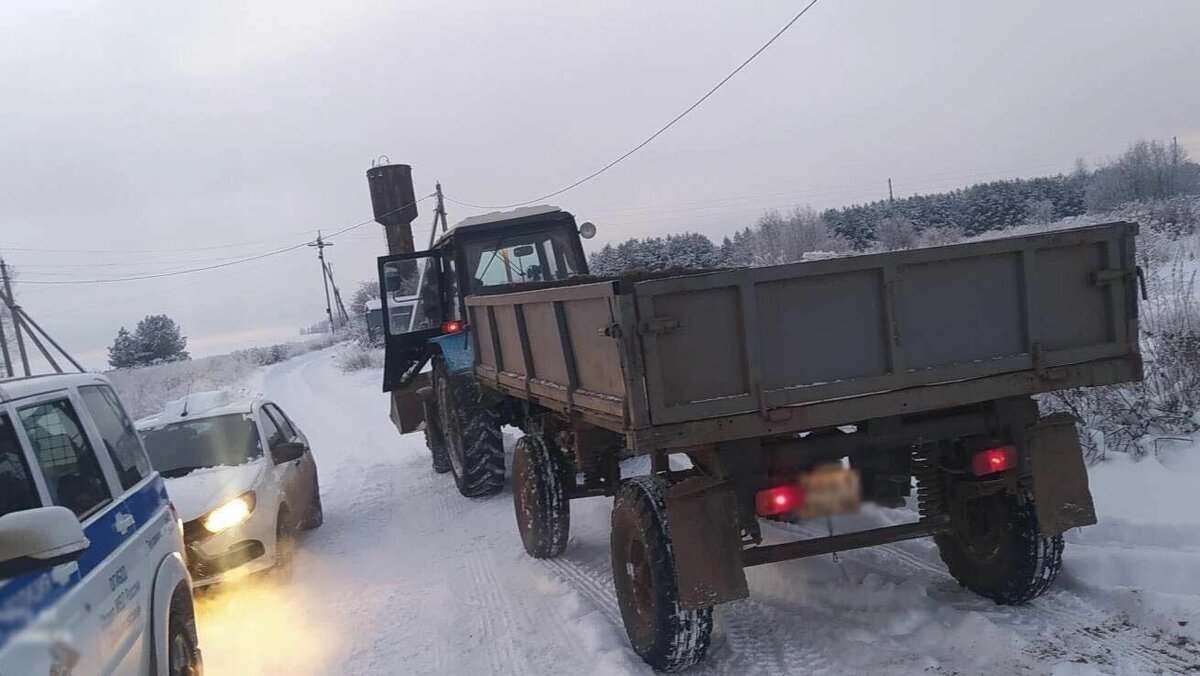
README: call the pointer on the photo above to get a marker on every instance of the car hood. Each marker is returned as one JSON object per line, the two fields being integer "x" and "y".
{"x": 199, "y": 492}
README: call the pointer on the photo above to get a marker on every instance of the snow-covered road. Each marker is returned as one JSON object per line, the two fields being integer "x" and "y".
{"x": 407, "y": 577}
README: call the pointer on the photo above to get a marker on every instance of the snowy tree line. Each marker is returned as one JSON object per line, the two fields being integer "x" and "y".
{"x": 1149, "y": 172}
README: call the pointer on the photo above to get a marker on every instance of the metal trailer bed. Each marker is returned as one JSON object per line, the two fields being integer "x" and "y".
{"x": 696, "y": 359}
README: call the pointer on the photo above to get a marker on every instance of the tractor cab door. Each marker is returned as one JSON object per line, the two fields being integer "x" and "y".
{"x": 410, "y": 287}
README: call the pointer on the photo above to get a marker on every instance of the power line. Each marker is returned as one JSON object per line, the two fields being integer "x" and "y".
{"x": 176, "y": 273}
{"x": 656, "y": 134}
{"x": 150, "y": 251}
{"x": 173, "y": 273}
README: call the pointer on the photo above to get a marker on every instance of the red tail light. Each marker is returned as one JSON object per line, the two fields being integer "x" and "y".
{"x": 452, "y": 326}
{"x": 994, "y": 460}
{"x": 778, "y": 500}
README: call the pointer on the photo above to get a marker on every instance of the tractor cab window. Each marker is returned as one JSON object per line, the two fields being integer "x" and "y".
{"x": 411, "y": 294}
{"x": 515, "y": 258}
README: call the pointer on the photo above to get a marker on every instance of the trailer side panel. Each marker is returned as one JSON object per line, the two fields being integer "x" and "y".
{"x": 760, "y": 339}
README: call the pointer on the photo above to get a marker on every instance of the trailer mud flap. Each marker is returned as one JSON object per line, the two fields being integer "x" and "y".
{"x": 703, "y": 517}
{"x": 1060, "y": 482}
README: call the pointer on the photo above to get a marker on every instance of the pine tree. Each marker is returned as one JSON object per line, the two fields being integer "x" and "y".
{"x": 158, "y": 341}
{"x": 123, "y": 353}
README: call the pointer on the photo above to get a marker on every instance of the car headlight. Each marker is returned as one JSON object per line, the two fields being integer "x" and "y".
{"x": 230, "y": 514}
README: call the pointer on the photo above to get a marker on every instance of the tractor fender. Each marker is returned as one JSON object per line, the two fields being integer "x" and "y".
{"x": 457, "y": 352}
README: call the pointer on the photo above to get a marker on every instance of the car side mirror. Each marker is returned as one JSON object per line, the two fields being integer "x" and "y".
{"x": 287, "y": 452}
{"x": 39, "y": 539}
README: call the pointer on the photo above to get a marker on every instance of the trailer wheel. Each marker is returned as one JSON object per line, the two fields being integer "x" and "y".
{"x": 472, "y": 434}
{"x": 999, "y": 552}
{"x": 540, "y": 497}
{"x": 435, "y": 441}
{"x": 662, "y": 633}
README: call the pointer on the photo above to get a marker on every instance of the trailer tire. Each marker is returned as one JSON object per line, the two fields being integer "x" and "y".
{"x": 472, "y": 434}
{"x": 540, "y": 497}
{"x": 662, "y": 633}
{"x": 1002, "y": 555}
{"x": 436, "y": 441}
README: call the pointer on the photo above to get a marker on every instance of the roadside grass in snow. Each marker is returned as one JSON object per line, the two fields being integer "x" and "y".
{"x": 146, "y": 390}
{"x": 1135, "y": 418}
{"x": 357, "y": 356}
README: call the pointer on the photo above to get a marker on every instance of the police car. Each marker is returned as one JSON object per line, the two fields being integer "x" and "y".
{"x": 92, "y": 571}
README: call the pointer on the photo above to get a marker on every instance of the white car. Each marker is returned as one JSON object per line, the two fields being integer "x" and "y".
{"x": 243, "y": 478}
{"x": 92, "y": 574}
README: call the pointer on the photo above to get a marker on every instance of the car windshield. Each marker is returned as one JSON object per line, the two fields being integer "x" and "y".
{"x": 179, "y": 448}
{"x": 542, "y": 256}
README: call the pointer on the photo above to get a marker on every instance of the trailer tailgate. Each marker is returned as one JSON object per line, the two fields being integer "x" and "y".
{"x": 758, "y": 339}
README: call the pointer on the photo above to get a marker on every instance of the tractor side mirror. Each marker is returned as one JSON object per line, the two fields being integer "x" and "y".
{"x": 587, "y": 230}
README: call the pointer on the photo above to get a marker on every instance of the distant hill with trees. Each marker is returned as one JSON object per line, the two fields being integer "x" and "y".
{"x": 1150, "y": 171}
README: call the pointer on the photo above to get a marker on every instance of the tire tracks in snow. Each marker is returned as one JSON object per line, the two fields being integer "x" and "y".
{"x": 508, "y": 615}
{"x": 1115, "y": 640}
{"x": 741, "y": 650}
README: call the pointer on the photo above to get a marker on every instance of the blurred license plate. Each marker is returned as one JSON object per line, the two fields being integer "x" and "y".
{"x": 832, "y": 489}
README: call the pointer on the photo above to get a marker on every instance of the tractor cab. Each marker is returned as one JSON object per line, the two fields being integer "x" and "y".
{"x": 482, "y": 254}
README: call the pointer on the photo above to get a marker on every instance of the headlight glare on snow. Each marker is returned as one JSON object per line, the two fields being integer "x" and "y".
{"x": 230, "y": 514}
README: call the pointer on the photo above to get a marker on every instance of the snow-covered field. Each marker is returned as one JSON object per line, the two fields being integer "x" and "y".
{"x": 407, "y": 577}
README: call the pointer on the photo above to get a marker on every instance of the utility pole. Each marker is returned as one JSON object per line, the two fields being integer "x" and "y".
{"x": 320, "y": 244}
{"x": 439, "y": 215}
{"x": 891, "y": 197}
{"x": 337, "y": 296}
{"x": 8, "y": 370}
{"x": 1174, "y": 164}
{"x": 441, "y": 206}
{"x": 14, "y": 311}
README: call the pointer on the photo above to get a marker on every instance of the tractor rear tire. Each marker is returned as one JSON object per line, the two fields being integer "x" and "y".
{"x": 662, "y": 633}
{"x": 471, "y": 432}
{"x": 540, "y": 474}
{"x": 1001, "y": 553}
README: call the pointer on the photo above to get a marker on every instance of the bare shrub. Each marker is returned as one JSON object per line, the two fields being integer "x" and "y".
{"x": 1175, "y": 217}
{"x": 894, "y": 233}
{"x": 1125, "y": 418}
{"x": 1040, "y": 212}
{"x": 356, "y": 357}
{"x": 939, "y": 236}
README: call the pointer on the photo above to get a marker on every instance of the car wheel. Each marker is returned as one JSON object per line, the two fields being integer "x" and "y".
{"x": 285, "y": 546}
{"x": 183, "y": 646}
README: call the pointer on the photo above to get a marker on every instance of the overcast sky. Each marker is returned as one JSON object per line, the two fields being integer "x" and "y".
{"x": 141, "y": 136}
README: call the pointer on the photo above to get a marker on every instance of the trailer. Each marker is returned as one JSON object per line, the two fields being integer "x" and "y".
{"x": 798, "y": 391}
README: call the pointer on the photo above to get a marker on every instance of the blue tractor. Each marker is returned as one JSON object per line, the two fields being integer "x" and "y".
{"x": 528, "y": 248}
